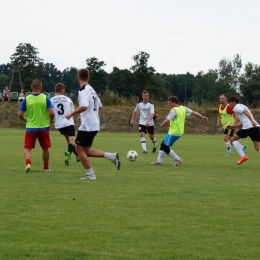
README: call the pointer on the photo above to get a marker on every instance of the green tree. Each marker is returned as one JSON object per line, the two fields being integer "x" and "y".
{"x": 250, "y": 85}
{"x": 122, "y": 82}
{"x": 30, "y": 65}
{"x": 229, "y": 73}
{"x": 98, "y": 77}
{"x": 50, "y": 75}
{"x": 69, "y": 79}
{"x": 141, "y": 71}
{"x": 205, "y": 87}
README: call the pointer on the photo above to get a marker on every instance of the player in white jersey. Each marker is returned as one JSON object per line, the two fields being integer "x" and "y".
{"x": 89, "y": 105}
{"x": 146, "y": 123}
{"x": 63, "y": 105}
{"x": 249, "y": 128}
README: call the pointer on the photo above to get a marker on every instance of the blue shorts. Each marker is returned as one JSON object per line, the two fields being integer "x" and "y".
{"x": 169, "y": 140}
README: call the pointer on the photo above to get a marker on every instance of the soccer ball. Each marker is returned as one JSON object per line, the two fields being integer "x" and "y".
{"x": 132, "y": 155}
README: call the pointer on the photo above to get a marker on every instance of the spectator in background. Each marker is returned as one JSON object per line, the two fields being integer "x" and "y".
{"x": 21, "y": 96}
{"x": 6, "y": 95}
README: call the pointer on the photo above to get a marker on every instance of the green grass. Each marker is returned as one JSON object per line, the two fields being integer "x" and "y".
{"x": 206, "y": 208}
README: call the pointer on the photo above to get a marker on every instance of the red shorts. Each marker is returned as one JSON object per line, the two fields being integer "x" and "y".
{"x": 42, "y": 136}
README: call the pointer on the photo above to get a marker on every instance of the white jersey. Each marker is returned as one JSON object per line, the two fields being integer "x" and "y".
{"x": 145, "y": 109}
{"x": 62, "y": 106}
{"x": 89, "y": 118}
{"x": 246, "y": 123}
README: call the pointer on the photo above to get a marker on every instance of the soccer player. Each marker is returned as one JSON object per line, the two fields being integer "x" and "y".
{"x": 249, "y": 128}
{"x": 89, "y": 104}
{"x": 39, "y": 115}
{"x": 63, "y": 105}
{"x": 146, "y": 122}
{"x": 176, "y": 118}
{"x": 226, "y": 116}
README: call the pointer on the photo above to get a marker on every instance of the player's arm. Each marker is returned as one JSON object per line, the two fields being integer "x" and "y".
{"x": 253, "y": 122}
{"x": 21, "y": 115}
{"x": 149, "y": 119}
{"x": 165, "y": 122}
{"x": 76, "y": 112}
{"x": 205, "y": 119}
{"x": 133, "y": 117}
{"x": 219, "y": 121}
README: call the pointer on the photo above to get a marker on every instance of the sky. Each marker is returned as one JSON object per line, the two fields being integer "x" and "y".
{"x": 179, "y": 35}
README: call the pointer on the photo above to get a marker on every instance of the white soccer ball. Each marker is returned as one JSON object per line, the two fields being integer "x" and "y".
{"x": 132, "y": 155}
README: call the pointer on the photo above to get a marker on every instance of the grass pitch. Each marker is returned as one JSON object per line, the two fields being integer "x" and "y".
{"x": 206, "y": 208}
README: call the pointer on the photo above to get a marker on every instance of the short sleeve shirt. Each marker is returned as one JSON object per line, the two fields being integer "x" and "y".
{"x": 63, "y": 105}
{"x": 89, "y": 118}
{"x": 145, "y": 109}
{"x": 239, "y": 110}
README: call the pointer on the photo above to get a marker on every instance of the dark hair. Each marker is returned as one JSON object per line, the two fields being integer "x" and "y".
{"x": 59, "y": 87}
{"x": 233, "y": 99}
{"x": 83, "y": 74}
{"x": 173, "y": 99}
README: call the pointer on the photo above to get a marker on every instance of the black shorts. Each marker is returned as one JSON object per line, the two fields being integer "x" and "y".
{"x": 253, "y": 133}
{"x": 144, "y": 129}
{"x": 85, "y": 138}
{"x": 68, "y": 130}
{"x": 229, "y": 132}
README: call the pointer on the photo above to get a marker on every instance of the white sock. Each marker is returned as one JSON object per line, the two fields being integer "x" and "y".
{"x": 154, "y": 142}
{"x": 143, "y": 143}
{"x": 239, "y": 148}
{"x": 108, "y": 156}
{"x": 160, "y": 156}
{"x": 228, "y": 146}
{"x": 174, "y": 156}
{"x": 90, "y": 172}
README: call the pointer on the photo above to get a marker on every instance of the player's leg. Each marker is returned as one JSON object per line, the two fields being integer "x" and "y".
{"x": 226, "y": 138}
{"x": 142, "y": 132}
{"x": 45, "y": 143}
{"x": 113, "y": 157}
{"x": 83, "y": 140}
{"x": 171, "y": 139}
{"x": 152, "y": 137}
{"x": 239, "y": 148}
{"x": 29, "y": 144}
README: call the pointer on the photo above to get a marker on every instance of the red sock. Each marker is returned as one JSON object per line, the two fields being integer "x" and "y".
{"x": 46, "y": 166}
{"x": 28, "y": 161}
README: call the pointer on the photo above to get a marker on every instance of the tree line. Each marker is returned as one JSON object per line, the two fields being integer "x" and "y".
{"x": 230, "y": 78}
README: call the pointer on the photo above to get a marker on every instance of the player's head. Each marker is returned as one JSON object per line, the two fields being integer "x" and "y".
{"x": 145, "y": 94}
{"x": 222, "y": 98}
{"x": 59, "y": 88}
{"x": 233, "y": 99}
{"x": 36, "y": 85}
{"x": 173, "y": 99}
{"x": 83, "y": 75}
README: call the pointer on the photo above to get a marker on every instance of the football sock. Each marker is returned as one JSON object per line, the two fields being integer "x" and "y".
{"x": 74, "y": 150}
{"x": 174, "y": 156}
{"x": 46, "y": 166}
{"x": 228, "y": 146}
{"x": 154, "y": 142}
{"x": 70, "y": 147}
{"x": 90, "y": 172}
{"x": 108, "y": 156}
{"x": 161, "y": 155}
{"x": 239, "y": 148}
{"x": 28, "y": 161}
{"x": 143, "y": 143}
